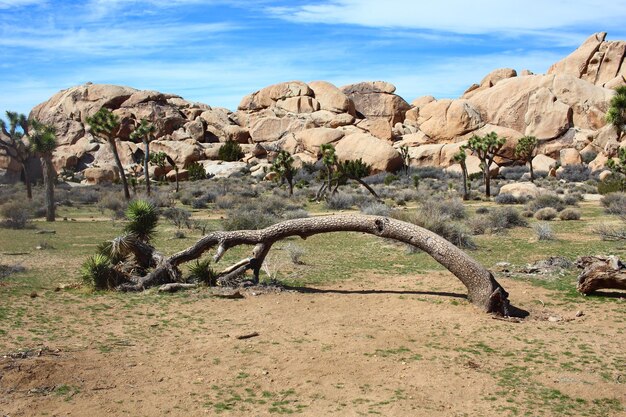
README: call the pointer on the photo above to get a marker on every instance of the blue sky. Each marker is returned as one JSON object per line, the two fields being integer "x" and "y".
{"x": 217, "y": 51}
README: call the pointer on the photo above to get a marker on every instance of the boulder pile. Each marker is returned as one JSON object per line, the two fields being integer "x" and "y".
{"x": 564, "y": 108}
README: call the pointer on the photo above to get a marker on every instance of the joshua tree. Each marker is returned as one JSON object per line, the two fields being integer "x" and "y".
{"x": 460, "y": 157}
{"x": 43, "y": 141}
{"x": 160, "y": 158}
{"x": 618, "y": 167}
{"x": 105, "y": 125}
{"x": 13, "y": 143}
{"x": 406, "y": 159}
{"x": 283, "y": 167}
{"x": 525, "y": 151}
{"x": 145, "y": 133}
{"x": 486, "y": 148}
{"x": 616, "y": 115}
{"x": 355, "y": 170}
{"x": 329, "y": 160}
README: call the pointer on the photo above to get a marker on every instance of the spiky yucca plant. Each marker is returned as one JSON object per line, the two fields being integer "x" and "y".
{"x": 201, "y": 271}
{"x": 97, "y": 272}
{"x": 143, "y": 218}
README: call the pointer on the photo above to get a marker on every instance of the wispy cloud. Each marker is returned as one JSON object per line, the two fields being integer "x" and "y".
{"x": 8, "y": 4}
{"x": 110, "y": 40}
{"x": 457, "y": 16}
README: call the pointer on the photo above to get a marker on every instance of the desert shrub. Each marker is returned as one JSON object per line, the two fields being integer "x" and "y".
{"x": 196, "y": 171}
{"x": 406, "y": 195}
{"x": 375, "y": 179}
{"x": 478, "y": 225}
{"x": 611, "y": 233}
{"x": 514, "y": 173}
{"x": 84, "y": 195}
{"x": 160, "y": 199}
{"x": 527, "y": 213}
{"x": 230, "y": 151}
{"x": 452, "y": 208}
{"x": 433, "y": 172}
{"x": 501, "y": 218}
{"x": 227, "y": 202}
{"x": 178, "y": 216}
{"x": 296, "y": 252}
{"x": 203, "y": 200}
{"x": 546, "y": 213}
{"x": 614, "y": 203}
{"x": 612, "y": 185}
{"x": 390, "y": 178}
{"x": 543, "y": 231}
{"x": 572, "y": 199}
{"x": 509, "y": 199}
{"x": 546, "y": 200}
{"x": 113, "y": 201}
{"x": 574, "y": 173}
{"x": 482, "y": 210}
{"x": 439, "y": 223}
{"x": 295, "y": 214}
{"x": 241, "y": 219}
{"x": 569, "y": 214}
{"x": 200, "y": 271}
{"x": 16, "y": 214}
{"x": 340, "y": 201}
{"x": 376, "y": 209}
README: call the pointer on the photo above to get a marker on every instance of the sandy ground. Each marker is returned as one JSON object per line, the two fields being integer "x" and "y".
{"x": 375, "y": 346}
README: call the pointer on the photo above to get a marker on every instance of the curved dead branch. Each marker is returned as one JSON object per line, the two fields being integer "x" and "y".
{"x": 483, "y": 290}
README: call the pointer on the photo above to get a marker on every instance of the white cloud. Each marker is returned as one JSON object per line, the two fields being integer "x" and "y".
{"x": 8, "y": 4}
{"x": 111, "y": 40}
{"x": 457, "y": 16}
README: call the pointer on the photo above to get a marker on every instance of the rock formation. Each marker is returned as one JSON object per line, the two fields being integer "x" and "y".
{"x": 564, "y": 108}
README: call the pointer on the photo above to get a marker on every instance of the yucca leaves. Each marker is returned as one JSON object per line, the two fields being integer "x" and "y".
{"x": 142, "y": 219}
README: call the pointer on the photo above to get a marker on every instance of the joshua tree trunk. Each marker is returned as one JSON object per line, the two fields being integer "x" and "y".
{"x": 532, "y": 173}
{"x": 146, "y": 160}
{"x": 48, "y": 178}
{"x": 368, "y": 188}
{"x": 29, "y": 187}
{"x": 464, "y": 173}
{"x": 290, "y": 183}
{"x": 483, "y": 290}
{"x": 118, "y": 163}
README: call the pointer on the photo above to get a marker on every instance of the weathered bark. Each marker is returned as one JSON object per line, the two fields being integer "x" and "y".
{"x": 120, "y": 168}
{"x": 48, "y": 178}
{"x": 483, "y": 290}
{"x": 600, "y": 272}
{"x": 29, "y": 186}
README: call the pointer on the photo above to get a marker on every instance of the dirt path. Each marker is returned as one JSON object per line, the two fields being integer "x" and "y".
{"x": 386, "y": 346}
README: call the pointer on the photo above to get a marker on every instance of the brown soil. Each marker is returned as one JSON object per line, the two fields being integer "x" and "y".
{"x": 379, "y": 345}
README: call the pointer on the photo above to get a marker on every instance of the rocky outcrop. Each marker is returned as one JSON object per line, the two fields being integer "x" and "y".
{"x": 564, "y": 108}
{"x": 597, "y": 61}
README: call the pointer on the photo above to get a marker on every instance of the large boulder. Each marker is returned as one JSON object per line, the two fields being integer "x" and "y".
{"x": 377, "y": 153}
{"x": 445, "y": 120}
{"x": 268, "y": 96}
{"x": 311, "y": 139}
{"x": 521, "y": 189}
{"x": 331, "y": 98}
{"x": 375, "y": 99}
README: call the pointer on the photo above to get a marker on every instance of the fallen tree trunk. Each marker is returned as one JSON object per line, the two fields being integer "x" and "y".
{"x": 483, "y": 290}
{"x": 600, "y": 272}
